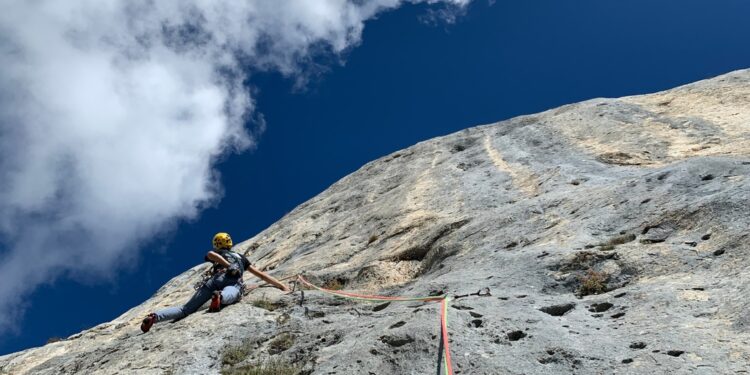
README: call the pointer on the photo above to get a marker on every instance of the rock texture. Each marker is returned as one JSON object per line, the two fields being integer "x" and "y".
{"x": 612, "y": 233}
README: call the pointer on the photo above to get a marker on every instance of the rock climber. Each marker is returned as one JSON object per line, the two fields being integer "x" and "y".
{"x": 223, "y": 285}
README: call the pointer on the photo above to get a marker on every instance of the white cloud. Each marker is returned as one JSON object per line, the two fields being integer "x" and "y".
{"x": 113, "y": 111}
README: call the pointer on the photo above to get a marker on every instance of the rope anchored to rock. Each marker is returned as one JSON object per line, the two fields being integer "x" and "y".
{"x": 484, "y": 292}
{"x": 444, "y": 354}
{"x": 444, "y": 362}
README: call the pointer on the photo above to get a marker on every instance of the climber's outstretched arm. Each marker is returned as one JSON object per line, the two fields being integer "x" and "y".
{"x": 267, "y": 278}
{"x": 216, "y": 258}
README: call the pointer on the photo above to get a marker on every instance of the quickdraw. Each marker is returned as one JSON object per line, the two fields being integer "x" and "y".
{"x": 484, "y": 292}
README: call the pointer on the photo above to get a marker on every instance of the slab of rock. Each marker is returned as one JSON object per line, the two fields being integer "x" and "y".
{"x": 533, "y": 207}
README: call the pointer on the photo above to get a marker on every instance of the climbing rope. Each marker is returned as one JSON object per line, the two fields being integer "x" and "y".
{"x": 365, "y": 297}
{"x": 444, "y": 353}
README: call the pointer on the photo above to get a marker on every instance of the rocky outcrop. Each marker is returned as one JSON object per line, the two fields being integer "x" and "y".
{"x": 613, "y": 235}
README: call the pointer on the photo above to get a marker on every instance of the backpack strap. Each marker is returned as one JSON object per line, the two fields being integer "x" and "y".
{"x": 236, "y": 258}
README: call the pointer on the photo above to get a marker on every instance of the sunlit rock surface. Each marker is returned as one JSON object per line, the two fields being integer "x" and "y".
{"x": 613, "y": 235}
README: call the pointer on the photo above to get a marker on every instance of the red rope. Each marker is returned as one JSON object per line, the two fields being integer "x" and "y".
{"x": 444, "y": 330}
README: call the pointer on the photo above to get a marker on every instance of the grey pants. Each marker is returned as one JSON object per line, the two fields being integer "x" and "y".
{"x": 230, "y": 293}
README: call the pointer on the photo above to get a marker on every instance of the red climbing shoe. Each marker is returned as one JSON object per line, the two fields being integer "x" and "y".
{"x": 215, "y": 302}
{"x": 148, "y": 321}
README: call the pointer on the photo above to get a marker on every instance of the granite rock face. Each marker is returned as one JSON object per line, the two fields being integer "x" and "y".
{"x": 613, "y": 235}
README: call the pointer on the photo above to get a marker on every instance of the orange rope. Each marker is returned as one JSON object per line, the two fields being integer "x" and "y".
{"x": 447, "y": 364}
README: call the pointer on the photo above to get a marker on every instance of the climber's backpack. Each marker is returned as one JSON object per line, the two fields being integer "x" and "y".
{"x": 236, "y": 266}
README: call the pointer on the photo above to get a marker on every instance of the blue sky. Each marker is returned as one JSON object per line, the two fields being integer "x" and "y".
{"x": 406, "y": 82}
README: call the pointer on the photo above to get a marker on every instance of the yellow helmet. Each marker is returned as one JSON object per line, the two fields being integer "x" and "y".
{"x": 222, "y": 241}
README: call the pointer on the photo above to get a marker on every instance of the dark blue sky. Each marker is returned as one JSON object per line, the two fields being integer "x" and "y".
{"x": 409, "y": 82}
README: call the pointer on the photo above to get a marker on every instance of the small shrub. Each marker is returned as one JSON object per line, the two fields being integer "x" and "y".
{"x": 619, "y": 240}
{"x": 582, "y": 260}
{"x": 274, "y": 366}
{"x": 593, "y": 283}
{"x": 264, "y": 303}
{"x": 236, "y": 354}
{"x": 372, "y": 239}
{"x": 606, "y": 247}
{"x": 334, "y": 284}
{"x": 280, "y": 343}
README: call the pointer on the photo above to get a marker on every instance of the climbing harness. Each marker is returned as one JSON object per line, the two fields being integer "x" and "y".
{"x": 207, "y": 275}
{"x": 213, "y": 271}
